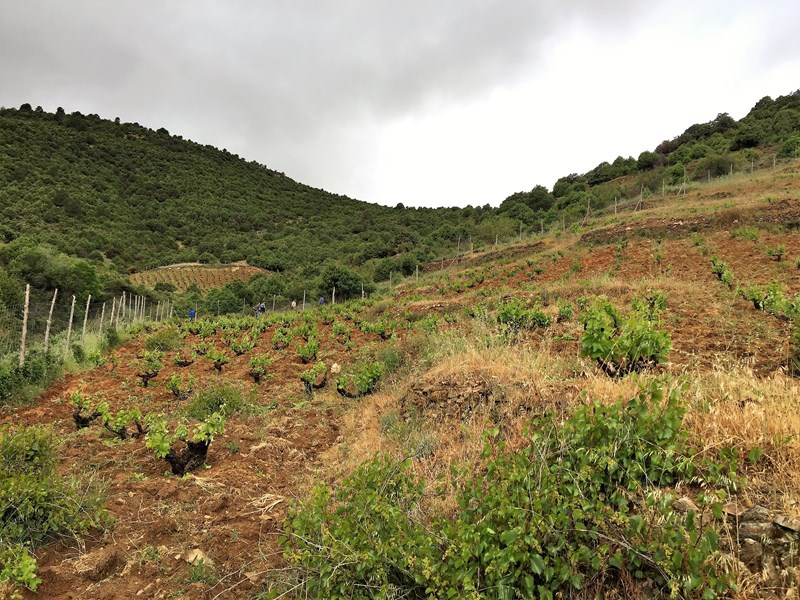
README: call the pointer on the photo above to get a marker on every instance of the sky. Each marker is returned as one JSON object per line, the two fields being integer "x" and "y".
{"x": 424, "y": 102}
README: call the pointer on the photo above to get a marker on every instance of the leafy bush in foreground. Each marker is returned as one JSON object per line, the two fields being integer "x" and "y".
{"x": 623, "y": 344}
{"x": 39, "y": 506}
{"x": 162, "y": 442}
{"x": 540, "y": 522}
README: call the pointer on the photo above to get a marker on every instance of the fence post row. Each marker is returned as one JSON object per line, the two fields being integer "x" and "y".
{"x": 49, "y": 321}
{"x": 102, "y": 317}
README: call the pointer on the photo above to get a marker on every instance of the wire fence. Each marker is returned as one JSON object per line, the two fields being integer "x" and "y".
{"x": 56, "y": 325}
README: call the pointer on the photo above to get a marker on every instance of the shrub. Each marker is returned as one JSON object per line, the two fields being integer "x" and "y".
{"x": 240, "y": 346}
{"x": 258, "y": 367}
{"x": 195, "y": 447}
{"x": 179, "y": 387}
{"x": 341, "y": 332}
{"x": 381, "y": 327}
{"x": 224, "y": 399}
{"x": 565, "y": 311}
{"x": 308, "y": 352}
{"x": 39, "y": 506}
{"x": 721, "y": 270}
{"x": 169, "y": 338}
{"x": 515, "y": 316}
{"x": 315, "y": 377}
{"x": 622, "y": 344}
{"x": 777, "y": 253}
{"x": 534, "y": 523}
{"x": 361, "y": 380}
{"x": 282, "y": 338}
{"x": 118, "y": 423}
{"x": 149, "y": 366}
{"x": 218, "y": 358}
{"x": 794, "y": 349}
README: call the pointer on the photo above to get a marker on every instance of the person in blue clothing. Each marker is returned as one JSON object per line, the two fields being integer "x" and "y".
{"x": 321, "y": 300}
{"x": 192, "y": 314}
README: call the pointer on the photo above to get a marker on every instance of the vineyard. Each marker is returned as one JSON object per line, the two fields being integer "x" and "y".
{"x": 611, "y": 411}
{"x": 203, "y": 276}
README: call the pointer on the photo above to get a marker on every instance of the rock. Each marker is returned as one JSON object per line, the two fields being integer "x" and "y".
{"x": 771, "y": 573}
{"x": 336, "y": 368}
{"x": 750, "y": 554}
{"x": 685, "y": 504}
{"x": 756, "y": 530}
{"x": 733, "y": 509}
{"x": 757, "y": 513}
{"x": 194, "y": 557}
{"x": 787, "y": 523}
{"x": 99, "y": 564}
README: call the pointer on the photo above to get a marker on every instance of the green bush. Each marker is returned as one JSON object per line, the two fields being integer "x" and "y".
{"x": 721, "y": 270}
{"x": 515, "y": 316}
{"x": 308, "y": 351}
{"x": 282, "y": 338}
{"x": 167, "y": 339}
{"x": 258, "y": 367}
{"x": 622, "y": 344}
{"x": 579, "y": 503}
{"x": 224, "y": 399}
{"x": 362, "y": 379}
{"x": 39, "y": 506}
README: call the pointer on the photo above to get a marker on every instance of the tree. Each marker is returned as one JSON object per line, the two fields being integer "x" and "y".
{"x": 647, "y": 160}
{"x": 346, "y": 281}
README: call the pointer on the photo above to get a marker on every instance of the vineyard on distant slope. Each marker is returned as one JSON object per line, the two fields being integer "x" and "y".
{"x": 203, "y": 276}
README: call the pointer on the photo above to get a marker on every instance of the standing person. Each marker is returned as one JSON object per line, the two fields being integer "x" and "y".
{"x": 262, "y": 307}
{"x": 321, "y": 300}
{"x": 294, "y": 304}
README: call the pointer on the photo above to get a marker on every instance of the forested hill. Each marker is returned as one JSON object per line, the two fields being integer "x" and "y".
{"x": 96, "y": 188}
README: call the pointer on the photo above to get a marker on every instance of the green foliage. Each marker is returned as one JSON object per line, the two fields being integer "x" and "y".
{"x": 361, "y": 379}
{"x": 534, "y": 523}
{"x": 721, "y": 270}
{"x": 381, "y": 327}
{"x": 565, "y": 310}
{"x": 39, "y": 505}
{"x": 181, "y": 388}
{"x": 282, "y": 338}
{"x": 308, "y": 351}
{"x": 514, "y": 315}
{"x": 38, "y": 370}
{"x": 777, "y": 252}
{"x": 223, "y": 399}
{"x": 242, "y": 345}
{"x": 169, "y": 338}
{"x": 341, "y": 332}
{"x": 622, "y": 344}
{"x": 162, "y": 440}
{"x": 149, "y": 365}
{"x": 218, "y": 358}
{"x": 745, "y": 232}
{"x": 258, "y": 367}
{"x": 310, "y": 376}
{"x": 118, "y": 423}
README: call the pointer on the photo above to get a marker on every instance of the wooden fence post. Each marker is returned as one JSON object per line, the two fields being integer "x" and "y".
{"x": 304, "y": 300}
{"x": 85, "y": 318}
{"x": 113, "y": 308}
{"x": 144, "y": 308}
{"x": 102, "y": 316}
{"x": 49, "y": 322}
{"x": 170, "y": 309}
{"x": 333, "y": 296}
{"x": 24, "y": 324}
{"x": 69, "y": 327}
{"x": 121, "y": 311}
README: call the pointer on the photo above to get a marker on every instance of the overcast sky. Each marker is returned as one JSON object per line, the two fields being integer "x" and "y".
{"x": 425, "y": 102}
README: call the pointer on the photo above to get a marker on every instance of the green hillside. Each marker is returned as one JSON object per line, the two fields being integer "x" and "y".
{"x": 86, "y": 201}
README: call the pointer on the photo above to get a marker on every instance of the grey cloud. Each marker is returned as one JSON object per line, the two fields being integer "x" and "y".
{"x": 285, "y": 81}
